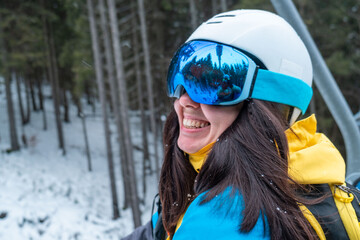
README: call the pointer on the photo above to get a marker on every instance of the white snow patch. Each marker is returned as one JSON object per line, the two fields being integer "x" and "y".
{"x": 45, "y": 195}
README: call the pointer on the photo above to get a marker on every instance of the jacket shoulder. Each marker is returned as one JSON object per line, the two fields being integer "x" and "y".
{"x": 218, "y": 218}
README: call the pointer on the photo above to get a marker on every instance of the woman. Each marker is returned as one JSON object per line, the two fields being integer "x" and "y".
{"x": 241, "y": 80}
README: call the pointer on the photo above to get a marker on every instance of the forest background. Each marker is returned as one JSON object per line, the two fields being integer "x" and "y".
{"x": 112, "y": 56}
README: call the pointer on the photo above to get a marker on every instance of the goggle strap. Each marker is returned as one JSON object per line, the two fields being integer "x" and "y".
{"x": 253, "y": 81}
{"x": 280, "y": 88}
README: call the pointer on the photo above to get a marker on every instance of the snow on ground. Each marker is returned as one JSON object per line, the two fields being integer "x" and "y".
{"x": 45, "y": 195}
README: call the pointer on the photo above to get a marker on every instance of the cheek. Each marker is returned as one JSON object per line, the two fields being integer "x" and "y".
{"x": 178, "y": 109}
{"x": 222, "y": 117}
{"x": 226, "y": 121}
{"x": 177, "y": 106}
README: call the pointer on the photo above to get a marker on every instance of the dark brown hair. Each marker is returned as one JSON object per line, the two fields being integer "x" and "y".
{"x": 251, "y": 156}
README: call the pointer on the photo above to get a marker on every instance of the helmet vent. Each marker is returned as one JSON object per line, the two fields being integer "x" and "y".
{"x": 214, "y": 22}
{"x": 227, "y": 15}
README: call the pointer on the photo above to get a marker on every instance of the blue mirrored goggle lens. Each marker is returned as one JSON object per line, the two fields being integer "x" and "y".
{"x": 211, "y": 73}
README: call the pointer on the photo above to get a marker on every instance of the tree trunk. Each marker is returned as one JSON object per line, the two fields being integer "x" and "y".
{"x": 54, "y": 77}
{"x": 87, "y": 148}
{"x": 39, "y": 90}
{"x": 115, "y": 103}
{"x": 90, "y": 98}
{"x": 214, "y": 7}
{"x": 21, "y": 107}
{"x": 101, "y": 87}
{"x": 145, "y": 144}
{"x": 28, "y": 105}
{"x": 149, "y": 81}
{"x": 124, "y": 113}
{"x": 32, "y": 93}
{"x": 223, "y": 5}
{"x": 10, "y": 107}
{"x": 161, "y": 67}
{"x": 78, "y": 104}
{"x": 11, "y": 115}
{"x": 56, "y": 88}
{"x": 41, "y": 101}
{"x": 66, "y": 107}
{"x": 193, "y": 15}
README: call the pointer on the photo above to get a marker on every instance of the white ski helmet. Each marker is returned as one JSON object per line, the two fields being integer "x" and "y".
{"x": 265, "y": 36}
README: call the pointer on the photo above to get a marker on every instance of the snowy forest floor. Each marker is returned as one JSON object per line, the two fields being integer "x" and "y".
{"x": 45, "y": 195}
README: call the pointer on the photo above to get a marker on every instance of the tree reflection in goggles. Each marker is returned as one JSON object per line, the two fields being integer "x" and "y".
{"x": 217, "y": 74}
{"x": 211, "y": 73}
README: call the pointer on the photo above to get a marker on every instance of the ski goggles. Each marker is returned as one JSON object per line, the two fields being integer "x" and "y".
{"x": 217, "y": 74}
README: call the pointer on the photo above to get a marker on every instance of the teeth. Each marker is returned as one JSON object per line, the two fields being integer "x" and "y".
{"x": 188, "y": 123}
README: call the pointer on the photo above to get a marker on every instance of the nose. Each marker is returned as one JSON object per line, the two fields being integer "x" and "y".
{"x": 186, "y": 101}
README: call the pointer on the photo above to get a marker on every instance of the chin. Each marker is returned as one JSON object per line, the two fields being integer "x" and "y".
{"x": 187, "y": 147}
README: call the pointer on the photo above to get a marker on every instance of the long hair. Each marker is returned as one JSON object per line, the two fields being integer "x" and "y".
{"x": 252, "y": 157}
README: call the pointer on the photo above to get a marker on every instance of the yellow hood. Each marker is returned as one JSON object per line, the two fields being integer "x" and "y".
{"x": 313, "y": 158}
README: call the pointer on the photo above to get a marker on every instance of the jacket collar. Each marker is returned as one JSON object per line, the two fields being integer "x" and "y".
{"x": 313, "y": 158}
{"x": 197, "y": 159}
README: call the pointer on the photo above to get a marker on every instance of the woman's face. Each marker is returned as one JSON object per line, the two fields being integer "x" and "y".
{"x": 201, "y": 124}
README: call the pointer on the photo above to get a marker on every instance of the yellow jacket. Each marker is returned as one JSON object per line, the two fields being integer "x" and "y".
{"x": 313, "y": 158}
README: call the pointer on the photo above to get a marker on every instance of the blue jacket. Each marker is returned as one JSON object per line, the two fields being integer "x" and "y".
{"x": 217, "y": 219}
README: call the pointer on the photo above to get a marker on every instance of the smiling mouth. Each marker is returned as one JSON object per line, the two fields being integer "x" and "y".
{"x": 190, "y": 123}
